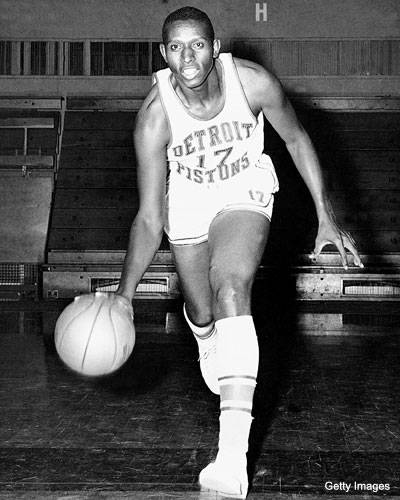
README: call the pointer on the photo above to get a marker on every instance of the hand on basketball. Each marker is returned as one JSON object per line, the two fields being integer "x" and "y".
{"x": 124, "y": 301}
{"x": 95, "y": 334}
{"x": 330, "y": 234}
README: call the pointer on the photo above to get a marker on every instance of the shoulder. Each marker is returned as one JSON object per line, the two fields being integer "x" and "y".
{"x": 151, "y": 119}
{"x": 260, "y": 85}
{"x": 251, "y": 71}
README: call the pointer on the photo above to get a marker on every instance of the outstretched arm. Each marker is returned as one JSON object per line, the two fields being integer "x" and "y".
{"x": 150, "y": 138}
{"x": 267, "y": 92}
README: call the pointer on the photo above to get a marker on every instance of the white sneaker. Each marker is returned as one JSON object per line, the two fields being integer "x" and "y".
{"x": 225, "y": 478}
{"x": 208, "y": 360}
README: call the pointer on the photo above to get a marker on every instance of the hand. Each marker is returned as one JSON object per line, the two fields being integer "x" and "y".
{"x": 124, "y": 301}
{"x": 330, "y": 234}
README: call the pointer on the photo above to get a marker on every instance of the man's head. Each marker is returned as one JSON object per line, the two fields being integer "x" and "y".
{"x": 188, "y": 14}
{"x": 189, "y": 47}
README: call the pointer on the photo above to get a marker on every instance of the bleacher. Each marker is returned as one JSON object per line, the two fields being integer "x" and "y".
{"x": 29, "y": 147}
{"x": 96, "y": 200}
{"x": 79, "y": 152}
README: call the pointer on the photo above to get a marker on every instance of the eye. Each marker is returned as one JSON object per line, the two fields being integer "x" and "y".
{"x": 174, "y": 47}
{"x": 198, "y": 45}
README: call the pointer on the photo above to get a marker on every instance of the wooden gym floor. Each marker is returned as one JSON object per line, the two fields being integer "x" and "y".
{"x": 326, "y": 411}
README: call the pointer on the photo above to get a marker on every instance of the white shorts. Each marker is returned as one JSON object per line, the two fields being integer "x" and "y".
{"x": 192, "y": 207}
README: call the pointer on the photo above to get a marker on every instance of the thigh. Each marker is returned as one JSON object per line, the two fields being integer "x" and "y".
{"x": 237, "y": 240}
{"x": 192, "y": 265}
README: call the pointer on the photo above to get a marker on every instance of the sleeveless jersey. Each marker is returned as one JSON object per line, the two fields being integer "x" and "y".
{"x": 211, "y": 151}
{"x": 216, "y": 164}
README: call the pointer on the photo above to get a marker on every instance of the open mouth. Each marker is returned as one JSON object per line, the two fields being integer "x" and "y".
{"x": 190, "y": 72}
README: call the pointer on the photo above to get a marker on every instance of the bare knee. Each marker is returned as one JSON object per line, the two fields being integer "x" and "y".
{"x": 231, "y": 291}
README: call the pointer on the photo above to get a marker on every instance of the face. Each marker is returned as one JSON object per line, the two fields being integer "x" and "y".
{"x": 188, "y": 53}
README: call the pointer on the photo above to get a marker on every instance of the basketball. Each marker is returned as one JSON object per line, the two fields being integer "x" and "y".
{"x": 95, "y": 334}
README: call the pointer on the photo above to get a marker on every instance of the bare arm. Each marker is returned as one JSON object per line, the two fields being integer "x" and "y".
{"x": 150, "y": 138}
{"x": 265, "y": 93}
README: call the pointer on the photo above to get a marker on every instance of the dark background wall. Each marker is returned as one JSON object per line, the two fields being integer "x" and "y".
{"x": 313, "y": 45}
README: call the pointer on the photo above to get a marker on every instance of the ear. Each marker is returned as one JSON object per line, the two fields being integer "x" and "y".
{"x": 163, "y": 51}
{"x": 216, "y": 48}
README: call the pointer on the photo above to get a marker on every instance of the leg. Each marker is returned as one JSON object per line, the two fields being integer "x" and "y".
{"x": 237, "y": 240}
{"x": 192, "y": 264}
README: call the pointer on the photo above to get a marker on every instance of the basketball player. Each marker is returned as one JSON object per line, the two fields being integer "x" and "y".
{"x": 201, "y": 127}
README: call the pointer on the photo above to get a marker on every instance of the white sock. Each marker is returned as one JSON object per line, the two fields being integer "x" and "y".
{"x": 237, "y": 357}
{"x": 234, "y": 436}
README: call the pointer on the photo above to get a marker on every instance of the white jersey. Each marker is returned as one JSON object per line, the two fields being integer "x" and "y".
{"x": 208, "y": 160}
{"x": 212, "y": 151}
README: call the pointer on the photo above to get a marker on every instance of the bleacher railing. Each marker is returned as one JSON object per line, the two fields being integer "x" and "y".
{"x": 295, "y": 57}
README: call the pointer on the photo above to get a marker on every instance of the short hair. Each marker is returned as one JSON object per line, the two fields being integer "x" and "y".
{"x": 188, "y": 14}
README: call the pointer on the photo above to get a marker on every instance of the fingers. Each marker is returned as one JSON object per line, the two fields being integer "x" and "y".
{"x": 349, "y": 243}
{"x": 319, "y": 245}
{"x": 126, "y": 302}
{"x": 342, "y": 252}
{"x": 342, "y": 242}
{"x": 338, "y": 242}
